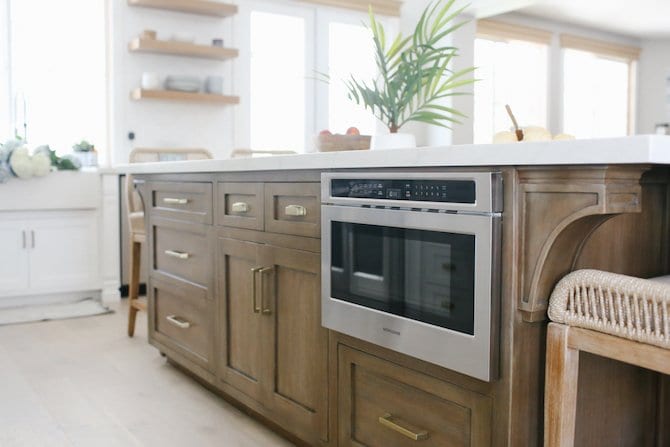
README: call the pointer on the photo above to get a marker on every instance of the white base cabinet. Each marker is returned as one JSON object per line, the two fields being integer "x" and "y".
{"x": 49, "y": 252}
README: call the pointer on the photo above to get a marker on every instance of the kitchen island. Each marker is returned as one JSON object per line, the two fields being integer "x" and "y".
{"x": 600, "y": 204}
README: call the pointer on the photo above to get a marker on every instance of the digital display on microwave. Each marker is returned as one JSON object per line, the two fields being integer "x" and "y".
{"x": 418, "y": 274}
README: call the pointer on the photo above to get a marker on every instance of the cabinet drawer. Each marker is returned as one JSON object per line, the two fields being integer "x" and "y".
{"x": 182, "y": 250}
{"x": 189, "y": 201}
{"x": 383, "y": 404}
{"x": 240, "y": 205}
{"x": 293, "y": 208}
{"x": 181, "y": 318}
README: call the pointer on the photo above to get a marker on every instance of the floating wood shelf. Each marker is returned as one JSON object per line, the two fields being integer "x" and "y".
{"x": 140, "y": 45}
{"x": 171, "y": 95}
{"x": 202, "y": 7}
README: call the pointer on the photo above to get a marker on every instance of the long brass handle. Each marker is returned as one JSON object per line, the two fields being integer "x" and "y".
{"x": 175, "y": 201}
{"x": 254, "y": 305}
{"x": 394, "y": 424}
{"x": 32, "y": 238}
{"x": 23, "y": 234}
{"x": 178, "y": 321}
{"x": 240, "y": 207}
{"x": 295, "y": 210}
{"x": 266, "y": 310}
{"x": 177, "y": 254}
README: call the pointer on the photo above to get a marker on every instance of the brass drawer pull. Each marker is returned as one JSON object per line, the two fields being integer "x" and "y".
{"x": 266, "y": 310}
{"x": 177, "y": 254}
{"x": 178, "y": 321}
{"x": 254, "y": 305}
{"x": 394, "y": 424}
{"x": 240, "y": 207}
{"x": 295, "y": 210}
{"x": 174, "y": 201}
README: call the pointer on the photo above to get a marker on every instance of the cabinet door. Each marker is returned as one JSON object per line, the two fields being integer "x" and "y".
{"x": 241, "y": 360}
{"x": 296, "y": 391}
{"x": 64, "y": 252}
{"x": 13, "y": 257}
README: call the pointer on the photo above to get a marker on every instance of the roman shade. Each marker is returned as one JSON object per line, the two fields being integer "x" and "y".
{"x": 382, "y": 7}
{"x": 609, "y": 49}
{"x": 495, "y": 30}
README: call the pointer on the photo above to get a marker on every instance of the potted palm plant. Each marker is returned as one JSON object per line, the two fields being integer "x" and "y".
{"x": 415, "y": 76}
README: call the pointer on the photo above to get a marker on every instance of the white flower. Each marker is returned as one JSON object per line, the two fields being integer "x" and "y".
{"x": 20, "y": 163}
{"x": 41, "y": 164}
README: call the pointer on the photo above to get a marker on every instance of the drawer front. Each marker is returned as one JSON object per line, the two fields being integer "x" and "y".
{"x": 293, "y": 208}
{"x": 190, "y": 201}
{"x": 181, "y": 318}
{"x": 240, "y": 205}
{"x": 182, "y": 250}
{"x": 383, "y": 404}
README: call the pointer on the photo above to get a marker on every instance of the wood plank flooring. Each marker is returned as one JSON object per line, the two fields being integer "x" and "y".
{"x": 83, "y": 382}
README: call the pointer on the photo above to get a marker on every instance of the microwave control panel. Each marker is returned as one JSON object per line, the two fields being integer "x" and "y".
{"x": 416, "y": 190}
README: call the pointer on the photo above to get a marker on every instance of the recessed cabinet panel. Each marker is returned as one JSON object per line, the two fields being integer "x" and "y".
{"x": 14, "y": 261}
{"x": 293, "y": 208}
{"x": 293, "y": 308}
{"x": 240, "y": 205}
{"x": 241, "y": 356}
{"x": 182, "y": 250}
{"x": 189, "y": 201}
{"x": 182, "y": 318}
{"x": 382, "y": 404}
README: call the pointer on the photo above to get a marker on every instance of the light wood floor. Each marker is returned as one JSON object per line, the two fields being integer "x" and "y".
{"x": 83, "y": 382}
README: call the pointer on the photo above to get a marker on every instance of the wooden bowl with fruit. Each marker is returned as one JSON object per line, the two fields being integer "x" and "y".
{"x": 326, "y": 141}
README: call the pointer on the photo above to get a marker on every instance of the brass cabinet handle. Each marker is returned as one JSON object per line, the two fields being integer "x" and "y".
{"x": 177, "y": 254}
{"x": 23, "y": 234}
{"x": 174, "y": 201}
{"x": 266, "y": 310}
{"x": 178, "y": 321}
{"x": 254, "y": 305}
{"x": 295, "y": 210}
{"x": 240, "y": 207}
{"x": 394, "y": 424}
{"x": 32, "y": 238}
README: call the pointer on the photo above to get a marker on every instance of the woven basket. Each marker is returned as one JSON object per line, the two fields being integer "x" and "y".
{"x": 624, "y": 306}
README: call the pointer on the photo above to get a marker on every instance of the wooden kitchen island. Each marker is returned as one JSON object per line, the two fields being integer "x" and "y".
{"x": 601, "y": 204}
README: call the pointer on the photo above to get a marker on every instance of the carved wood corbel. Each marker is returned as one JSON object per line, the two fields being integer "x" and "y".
{"x": 558, "y": 210}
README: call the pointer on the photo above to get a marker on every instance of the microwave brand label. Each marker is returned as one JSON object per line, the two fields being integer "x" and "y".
{"x": 390, "y": 331}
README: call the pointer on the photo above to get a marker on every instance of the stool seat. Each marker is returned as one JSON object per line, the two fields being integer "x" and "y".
{"x": 606, "y": 314}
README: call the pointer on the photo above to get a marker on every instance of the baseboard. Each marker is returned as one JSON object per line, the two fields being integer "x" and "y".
{"x": 14, "y": 301}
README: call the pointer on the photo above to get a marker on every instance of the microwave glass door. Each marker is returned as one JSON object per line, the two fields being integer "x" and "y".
{"x": 422, "y": 275}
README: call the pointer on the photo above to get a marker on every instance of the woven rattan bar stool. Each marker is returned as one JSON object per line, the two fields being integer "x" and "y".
{"x": 610, "y": 315}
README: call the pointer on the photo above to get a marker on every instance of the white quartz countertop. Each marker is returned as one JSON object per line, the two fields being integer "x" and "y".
{"x": 643, "y": 149}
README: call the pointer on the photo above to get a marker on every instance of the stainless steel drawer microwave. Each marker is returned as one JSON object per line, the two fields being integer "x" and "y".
{"x": 411, "y": 262}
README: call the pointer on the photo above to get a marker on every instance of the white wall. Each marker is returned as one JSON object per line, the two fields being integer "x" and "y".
{"x": 163, "y": 123}
{"x": 653, "y": 69}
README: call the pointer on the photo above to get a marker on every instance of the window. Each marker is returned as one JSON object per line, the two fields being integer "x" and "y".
{"x": 512, "y": 66}
{"x": 291, "y": 45}
{"x": 597, "y": 92}
{"x": 57, "y": 72}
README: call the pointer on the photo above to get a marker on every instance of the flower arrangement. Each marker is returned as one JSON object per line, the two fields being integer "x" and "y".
{"x": 17, "y": 161}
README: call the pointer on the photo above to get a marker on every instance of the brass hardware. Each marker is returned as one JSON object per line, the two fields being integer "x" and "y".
{"x": 178, "y": 321}
{"x": 177, "y": 254}
{"x": 240, "y": 207}
{"x": 295, "y": 210}
{"x": 254, "y": 306}
{"x": 23, "y": 234}
{"x": 393, "y": 423}
{"x": 266, "y": 310}
{"x": 32, "y": 238}
{"x": 174, "y": 201}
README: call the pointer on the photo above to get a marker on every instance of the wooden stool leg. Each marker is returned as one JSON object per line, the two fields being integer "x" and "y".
{"x": 134, "y": 285}
{"x": 561, "y": 377}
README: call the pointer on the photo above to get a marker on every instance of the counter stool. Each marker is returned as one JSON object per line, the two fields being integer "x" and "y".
{"x": 136, "y": 224}
{"x": 607, "y": 314}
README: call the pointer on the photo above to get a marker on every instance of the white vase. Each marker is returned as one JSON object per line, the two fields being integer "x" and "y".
{"x": 393, "y": 141}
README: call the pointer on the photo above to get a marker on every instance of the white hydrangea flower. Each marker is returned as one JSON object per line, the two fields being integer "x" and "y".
{"x": 21, "y": 163}
{"x": 41, "y": 164}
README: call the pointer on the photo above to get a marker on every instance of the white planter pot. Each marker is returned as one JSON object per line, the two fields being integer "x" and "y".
{"x": 393, "y": 141}
{"x": 87, "y": 159}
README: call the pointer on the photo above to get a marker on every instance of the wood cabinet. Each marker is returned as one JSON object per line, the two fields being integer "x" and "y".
{"x": 49, "y": 253}
{"x": 383, "y": 404}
